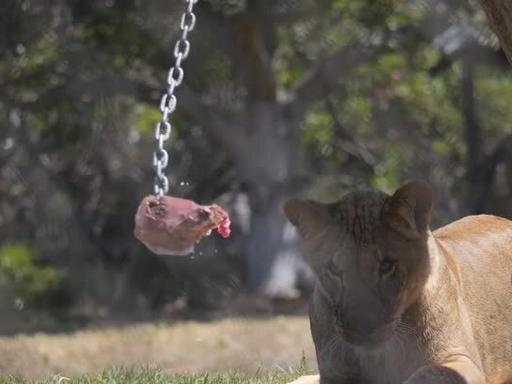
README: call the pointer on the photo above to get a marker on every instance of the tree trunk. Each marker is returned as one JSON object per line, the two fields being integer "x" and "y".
{"x": 275, "y": 266}
{"x": 267, "y": 162}
{"x": 473, "y": 139}
{"x": 495, "y": 190}
{"x": 499, "y": 13}
{"x": 482, "y": 169}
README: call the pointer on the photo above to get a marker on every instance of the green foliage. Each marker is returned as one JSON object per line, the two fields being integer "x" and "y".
{"x": 391, "y": 172}
{"x": 148, "y": 116}
{"x": 356, "y": 113}
{"x": 39, "y": 54}
{"x": 79, "y": 102}
{"x": 494, "y": 92}
{"x": 369, "y": 13}
{"x": 317, "y": 130}
{"x": 20, "y": 270}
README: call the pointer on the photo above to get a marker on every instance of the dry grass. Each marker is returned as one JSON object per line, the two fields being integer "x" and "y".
{"x": 233, "y": 344}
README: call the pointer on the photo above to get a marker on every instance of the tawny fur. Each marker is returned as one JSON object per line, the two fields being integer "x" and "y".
{"x": 453, "y": 316}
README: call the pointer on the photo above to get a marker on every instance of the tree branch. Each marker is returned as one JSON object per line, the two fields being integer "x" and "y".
{"x": 348, "y": 142}
{"x": 321, "y": 80}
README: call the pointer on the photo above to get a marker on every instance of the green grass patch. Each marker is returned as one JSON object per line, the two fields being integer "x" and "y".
{"x": 157, "y": 376}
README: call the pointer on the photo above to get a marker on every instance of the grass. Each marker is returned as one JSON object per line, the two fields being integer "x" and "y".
{"x": 157, "y": 376}
{"x": 255, "y": 349}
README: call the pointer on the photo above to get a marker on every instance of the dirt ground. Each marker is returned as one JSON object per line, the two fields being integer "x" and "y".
{"x": 243, "y": 344}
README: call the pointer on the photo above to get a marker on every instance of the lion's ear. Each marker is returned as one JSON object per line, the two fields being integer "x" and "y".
{"x": 305, "y": 214}
{"x": 408, "y": 210}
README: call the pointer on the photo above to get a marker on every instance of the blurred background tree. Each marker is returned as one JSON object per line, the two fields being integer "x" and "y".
{"x": 281, "y": 98}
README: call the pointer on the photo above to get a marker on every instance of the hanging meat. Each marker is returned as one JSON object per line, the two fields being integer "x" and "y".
{"x": 172, "y": 226}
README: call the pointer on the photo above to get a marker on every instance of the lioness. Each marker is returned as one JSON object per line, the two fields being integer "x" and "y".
{"x": 395, "y": 302}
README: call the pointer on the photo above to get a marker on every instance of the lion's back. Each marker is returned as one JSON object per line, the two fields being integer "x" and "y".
{"x": 482, "y": 248}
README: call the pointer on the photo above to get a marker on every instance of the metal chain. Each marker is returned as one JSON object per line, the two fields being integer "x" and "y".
{"x": 168, "y": 101}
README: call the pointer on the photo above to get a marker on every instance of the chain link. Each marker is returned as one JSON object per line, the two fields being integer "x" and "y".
{"x": 168, "y": 102}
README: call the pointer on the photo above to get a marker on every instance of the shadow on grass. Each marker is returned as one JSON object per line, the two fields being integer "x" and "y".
{"x": 243, "y": 306}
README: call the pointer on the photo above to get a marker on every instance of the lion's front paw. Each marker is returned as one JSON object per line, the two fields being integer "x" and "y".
{"x": 312, "y": 379}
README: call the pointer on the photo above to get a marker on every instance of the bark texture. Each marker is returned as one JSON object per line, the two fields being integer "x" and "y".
{"x": 499, "y": 13}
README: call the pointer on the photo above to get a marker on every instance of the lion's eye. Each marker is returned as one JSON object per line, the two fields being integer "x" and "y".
{"x": 387, "y": 266}
{"x": 333, "y": 271}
